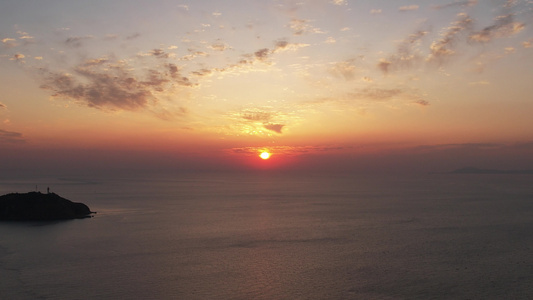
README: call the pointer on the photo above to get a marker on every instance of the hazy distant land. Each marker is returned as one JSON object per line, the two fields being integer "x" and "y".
{"x": 472, "y": 170}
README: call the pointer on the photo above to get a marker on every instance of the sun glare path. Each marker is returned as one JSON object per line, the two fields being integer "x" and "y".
{"x": 264, "y": 155}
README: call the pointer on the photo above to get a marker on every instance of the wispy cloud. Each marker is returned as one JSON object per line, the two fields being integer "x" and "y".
{"x": 274, "y": 127}
{"x": 421, "y": 102}
{"x": 503, "y": 26}
{"x": 408, "y": 8}
{"x": 256, "y": 121}
{"x": 261, "y": 116}
{"x": 133, "y": 36}
{"x": 303, "y": 26}
{"x": 471, "y": 146}
{"x": 478, "y": 83}
{"x": 290, "y": 150}
{"x": 345, "y": 69}
{"x": 460, "y": 32}
{"x": 218, "y": 46}
{"x": 112, "y": 84}
{"x": 376, "y": 94}
{"x": 24, "y": 35}
{"x": 18, "y": 57}
{"x": 77, "y": 41}
{"x": 457, "y": 3}
{"x": 443, "y": 48}
{"x": 407, "y": 53}
{"x": 339, "y": 2}
{"x": 9, "y": 42}
{"x": 259, "y": 56}
{"x": 11, "y": 137}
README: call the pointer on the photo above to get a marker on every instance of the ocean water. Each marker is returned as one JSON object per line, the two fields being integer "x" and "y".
{"x": 275, "y": 236}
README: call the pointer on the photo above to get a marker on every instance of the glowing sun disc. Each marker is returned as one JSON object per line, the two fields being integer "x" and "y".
{"x": 264, "y": 155}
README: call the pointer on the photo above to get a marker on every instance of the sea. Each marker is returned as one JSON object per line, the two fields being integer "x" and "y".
{"x": 275, "y": 236}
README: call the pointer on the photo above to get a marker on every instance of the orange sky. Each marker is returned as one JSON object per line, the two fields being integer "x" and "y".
{"x": 322, "y": 85}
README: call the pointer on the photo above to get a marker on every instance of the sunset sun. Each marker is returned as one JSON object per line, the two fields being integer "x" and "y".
{"x": 264, "y": 155}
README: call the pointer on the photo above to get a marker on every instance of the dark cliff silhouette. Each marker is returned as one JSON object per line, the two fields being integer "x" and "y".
{"x": 36, "y": 206}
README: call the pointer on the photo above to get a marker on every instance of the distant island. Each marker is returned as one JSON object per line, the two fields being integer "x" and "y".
{"x": 472, "y": 170}
{"x": 36, "y": 206}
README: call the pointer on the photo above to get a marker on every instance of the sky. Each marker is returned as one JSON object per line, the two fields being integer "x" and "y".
{"x": 343, "y": 85}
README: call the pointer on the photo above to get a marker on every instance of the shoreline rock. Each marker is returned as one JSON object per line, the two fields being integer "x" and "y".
{"x": 36, "y": 206}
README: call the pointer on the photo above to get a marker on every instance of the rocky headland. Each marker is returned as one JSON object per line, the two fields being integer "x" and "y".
{"x": 36, "y": 206}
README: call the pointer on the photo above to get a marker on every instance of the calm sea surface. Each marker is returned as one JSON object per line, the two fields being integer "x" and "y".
{"x": 267, "y": 236}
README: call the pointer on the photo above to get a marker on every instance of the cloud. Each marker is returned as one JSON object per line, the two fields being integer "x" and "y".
{"x": 11, "y": 137}
{"x": 284, "y": 45}
{"x": 3, "y": 106}
{"x": 468, "y": 3}
{"x": 528, "y": 43}
{"x": 339, "y": 2}
{"x": 407, "y": 53}
{"x": 194, "y": 54}
{"x": 375, "y": 11}
{"x": 330, "y": 40}
{"x": 483, "y": 60}
{"x": 503, "y": 26}
{"x": 257, "y": 116}
{"x": 110, "y": 37}
{"x": 289, "y": 150}
{"x": 248, "y": 60}
{"x": 157, "y": 53}
{"x": 345, "y": 69}
{"x": 302, "y": 26}
{"x": 133, "y": 36}
{"x": 384, "y": 65}
{"x": 468, "y": 146}
{"x": 274, "y": 127}
{"x": 377, "y": 94}
{"x": 254, "y": 121}
{"x": 443, "y": 48}
{"x": 263, "y": 55}
{"x": 9, "y": 42}
{"x": 218, "y": 46}
{"x": 109, "y": 84}
{"x": 408, "y": 8}
{"x": 202, "y": 72}
{"x": 479, "y": 83}
{"x": 421, "y": 102}
{"x": 77, "y": 41}
{"x": 460, "y": 32}
{"x": 18, "y": 57}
